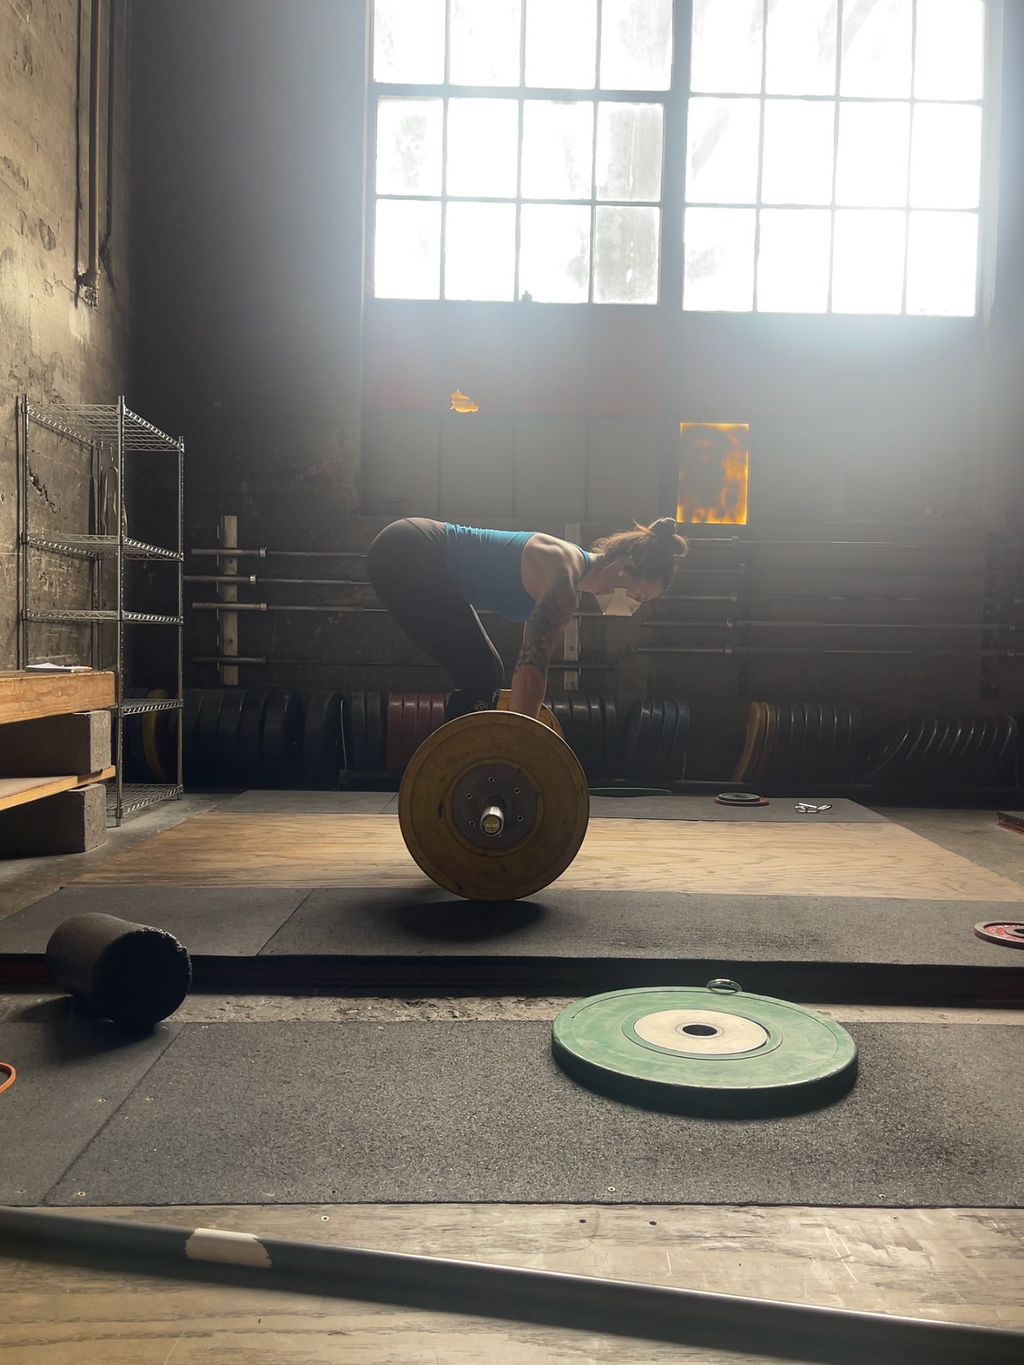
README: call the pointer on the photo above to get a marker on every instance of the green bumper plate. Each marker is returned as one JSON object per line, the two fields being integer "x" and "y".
{"x": 705, "y": 1051}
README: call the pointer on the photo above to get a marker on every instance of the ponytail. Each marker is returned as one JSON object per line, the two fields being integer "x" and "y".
{"x": 653, "y": 549}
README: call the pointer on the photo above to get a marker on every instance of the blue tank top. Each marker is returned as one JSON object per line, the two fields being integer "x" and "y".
{"x": 486, "y": 566}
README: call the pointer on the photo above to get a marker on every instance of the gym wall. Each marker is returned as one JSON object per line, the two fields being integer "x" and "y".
{"x": 54, "y": 345}
{"x": 317, "y": 416}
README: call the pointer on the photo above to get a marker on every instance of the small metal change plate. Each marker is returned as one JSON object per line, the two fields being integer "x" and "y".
{"x": 715, "y": 1051}
{"x": 1008, "y": 933}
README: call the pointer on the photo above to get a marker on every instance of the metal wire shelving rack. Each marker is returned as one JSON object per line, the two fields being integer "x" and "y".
{"x": 114, "y": 432}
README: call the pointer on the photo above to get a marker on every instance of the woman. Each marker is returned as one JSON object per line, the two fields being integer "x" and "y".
{"x": 433, "y": 576}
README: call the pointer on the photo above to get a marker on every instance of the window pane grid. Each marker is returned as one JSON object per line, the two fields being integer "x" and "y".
{"x": 936, "y": 206}
{"x": 857, "y": 130}
{"x": 591, "y": 196}
{"x": 554, "y": 189}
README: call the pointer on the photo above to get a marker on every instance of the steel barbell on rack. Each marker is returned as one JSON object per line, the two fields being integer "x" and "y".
{"x": 493, "y": 805}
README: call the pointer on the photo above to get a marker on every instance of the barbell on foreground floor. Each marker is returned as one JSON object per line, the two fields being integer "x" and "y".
{"x": 832, "y": 1336}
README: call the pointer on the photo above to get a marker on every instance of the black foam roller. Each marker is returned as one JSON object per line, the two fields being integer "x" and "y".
{"x": 130, "y": 973}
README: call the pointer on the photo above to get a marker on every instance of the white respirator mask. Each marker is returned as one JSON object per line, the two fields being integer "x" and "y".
{"x": 617, "y": 603}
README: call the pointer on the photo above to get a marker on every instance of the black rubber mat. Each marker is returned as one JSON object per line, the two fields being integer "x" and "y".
{"x": 646, "y": 924}
{"x": 479, "y": 1112}
{"x": 559, "y": 942}
{"x": 228, "y": 920}
{"x": 72, "y": 1076}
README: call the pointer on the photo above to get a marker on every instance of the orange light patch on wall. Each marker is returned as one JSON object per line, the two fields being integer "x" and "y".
{"x": 713, "y": 472}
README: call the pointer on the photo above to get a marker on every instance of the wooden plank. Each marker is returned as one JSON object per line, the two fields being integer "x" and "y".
{"x": 16, "y": 791}
{"x": 959, "y": 1265}
{"x": 218, "y": 849}
{"x": 25, "y": 695}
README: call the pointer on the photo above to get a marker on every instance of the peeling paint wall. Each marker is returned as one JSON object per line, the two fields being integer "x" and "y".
{"x": 54, "y": 346}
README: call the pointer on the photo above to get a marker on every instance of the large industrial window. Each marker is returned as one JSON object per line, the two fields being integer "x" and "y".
{"x": 834, "y": 156}
{"x": 519, "y": 148}
{"x": 823, "y": 155}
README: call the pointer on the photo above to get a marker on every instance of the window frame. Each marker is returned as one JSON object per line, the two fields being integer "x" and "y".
{"x": 988, "y": 178}
{"x": 521, "y": 94}
{"x": 672, "y": 203}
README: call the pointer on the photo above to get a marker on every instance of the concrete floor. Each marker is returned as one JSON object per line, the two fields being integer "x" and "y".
{"x": 958, "y": 1265}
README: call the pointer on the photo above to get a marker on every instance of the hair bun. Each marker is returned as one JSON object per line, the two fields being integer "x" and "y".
{"x": 664, "y": 528}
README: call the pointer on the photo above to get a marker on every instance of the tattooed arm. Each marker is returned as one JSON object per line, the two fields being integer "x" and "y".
{"x": 554, "y": 610}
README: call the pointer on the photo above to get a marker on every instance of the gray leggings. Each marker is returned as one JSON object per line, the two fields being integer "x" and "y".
{"x": 407, "y": 565}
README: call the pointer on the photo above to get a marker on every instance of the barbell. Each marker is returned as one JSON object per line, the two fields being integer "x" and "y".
{"x": 493, "y": 805}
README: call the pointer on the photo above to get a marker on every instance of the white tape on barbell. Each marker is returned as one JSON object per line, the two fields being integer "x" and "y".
{"x": 229, "y": 1248}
